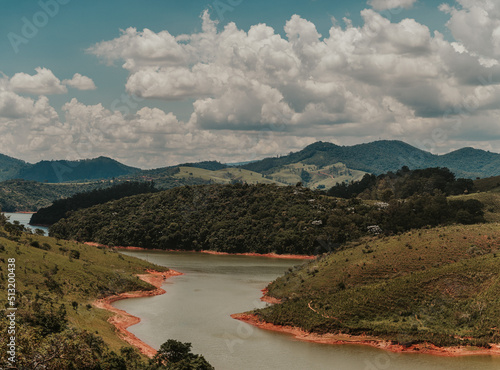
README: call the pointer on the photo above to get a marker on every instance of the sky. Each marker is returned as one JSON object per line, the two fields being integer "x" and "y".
{"x": 154, "y": 83}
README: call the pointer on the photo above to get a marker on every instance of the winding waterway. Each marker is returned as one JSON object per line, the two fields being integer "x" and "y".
{"x": 197, "y": 309}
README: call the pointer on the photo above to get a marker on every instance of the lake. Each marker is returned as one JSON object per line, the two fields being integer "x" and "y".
{"x": 197, "y": 309}
{"x": 24, "y": 219}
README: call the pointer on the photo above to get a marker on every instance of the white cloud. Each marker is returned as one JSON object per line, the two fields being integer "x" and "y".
{"x": 476, "y": 24}
{"x": 256, "y": 93}
{"x": 80, "y": 82}
{"x": 381, "y": 79}
{"x": 391, "y": 4}
{"x": 42, "y": 83}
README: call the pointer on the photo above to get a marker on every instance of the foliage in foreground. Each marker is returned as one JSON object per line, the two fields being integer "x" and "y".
{"x": 175, "y": 355}
{"x": 56, "y": 281}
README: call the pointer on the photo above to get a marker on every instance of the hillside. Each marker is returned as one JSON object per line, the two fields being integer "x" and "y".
{"x": 384, "y": 156}
{"x": 433, "y": 285}
{"x": 60, "y": 208}
{"x": 83, "y": 170}
{"x": 9, "y": 167}
{"x": 56, "y": 282}
{"x": 314, "y": 177}
{"x": 254, "y": 218}
{"x": 29, "y": 196}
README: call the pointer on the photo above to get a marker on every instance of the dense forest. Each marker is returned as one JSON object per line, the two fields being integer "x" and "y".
{"x": 255, "y": 218}
{"x": 404, "y": 184}
{"x": 60, "y": 208}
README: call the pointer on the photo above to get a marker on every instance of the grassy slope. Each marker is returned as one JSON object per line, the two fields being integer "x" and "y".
{"x": 327, "y": 176}
{"x": 98, "y": 272}
{"x": 224, "y": 176}
{"x": 491, "y": 200}
{"x": 424, "y": 285}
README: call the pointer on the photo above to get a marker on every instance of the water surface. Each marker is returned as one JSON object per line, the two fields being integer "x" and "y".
{"x": 24, "y": 219}
{"x": 197, "y": 309}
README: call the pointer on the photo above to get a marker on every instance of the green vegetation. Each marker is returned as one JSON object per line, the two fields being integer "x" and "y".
{"x": 83, "y": 170}
{"x": 404, "y": 184}
{"x": 383, "y": 156}
{"x": 312, "y": 176}
{"x": 437, "y": 285}
{"x": 60, "y": 208}
{"x": 175, "y": 355}
{"x": 29, "y": 196}
{"x": 55, "y": 283}
{"x": 9, "y": 167}
{"x": 255, "y": 218}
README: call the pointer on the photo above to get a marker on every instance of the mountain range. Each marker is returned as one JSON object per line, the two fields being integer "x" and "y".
{"x": 319, "y": 165}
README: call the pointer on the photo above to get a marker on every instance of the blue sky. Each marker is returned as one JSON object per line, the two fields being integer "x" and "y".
{"x": 408, "y": 74}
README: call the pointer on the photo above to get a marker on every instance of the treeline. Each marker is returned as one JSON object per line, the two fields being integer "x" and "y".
{"x": 404, "y": 184}
{"x": 60, "y": 208}
{"x": 22, "y": 195}
{"x": 255, "y": 218}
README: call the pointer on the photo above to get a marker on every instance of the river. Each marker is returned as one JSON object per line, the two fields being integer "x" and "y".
{"x": 197, "y": 309}
{"x": 24, "y": 219}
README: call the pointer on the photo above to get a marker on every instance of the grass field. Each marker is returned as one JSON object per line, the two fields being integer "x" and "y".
{"x": 225, "y": 176}
{"x": 438, "y": 285}
{"x": 58, "y": 277}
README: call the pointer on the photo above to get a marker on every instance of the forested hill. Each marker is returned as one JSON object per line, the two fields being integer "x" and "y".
{"x": 384, "y": 156}
{"x": 59, "y": 209}
{"x": 254, "y": 218}
{"x": 62, "y": 171}
{"x": 9, "y": 167}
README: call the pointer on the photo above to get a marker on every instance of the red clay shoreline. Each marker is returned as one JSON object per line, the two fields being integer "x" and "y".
{"x": 268, "y": 255}
{"x": 338, "y": 339}
{"x": 123, "y": 320}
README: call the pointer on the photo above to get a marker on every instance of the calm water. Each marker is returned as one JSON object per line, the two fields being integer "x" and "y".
{"x": 24, "y": 219}
{"x": 197, "y": 309}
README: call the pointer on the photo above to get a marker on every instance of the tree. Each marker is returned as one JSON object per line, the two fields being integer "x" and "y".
{"x": 175, "y": 355}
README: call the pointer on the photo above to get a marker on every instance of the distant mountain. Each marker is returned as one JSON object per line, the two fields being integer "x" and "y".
{"x": 9, "y": 167}
{"x": 326, "y": 164}
{"x": 83, "y": 170}
{"x": 382, "y": 156}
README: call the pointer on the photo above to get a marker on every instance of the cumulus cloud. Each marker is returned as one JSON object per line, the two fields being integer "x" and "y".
{"x": 476, "y": 24}
{"x": 257, "y": 93}
{"x": 42, "y": 83}
{"x": 391, "y": 4}
{"x": 245, "y": 80}
{"x": 80, "y": 82}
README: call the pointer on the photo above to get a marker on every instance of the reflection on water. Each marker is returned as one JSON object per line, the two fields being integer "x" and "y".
{"x": 197, "y": 309}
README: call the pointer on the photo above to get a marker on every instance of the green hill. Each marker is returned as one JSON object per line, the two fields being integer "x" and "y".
{"x": 433, "y": 285}
{"x": 383, "y": 156}
{"x": 315, "y": 177}
{"x": 55, "y": 284}
{"x": 10, "y": 167}
{"x": 29, "y": 196}
{"x": 83, "y": 170}
{"x": 60, "y": 208}
{"x": 254, "y": 218}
